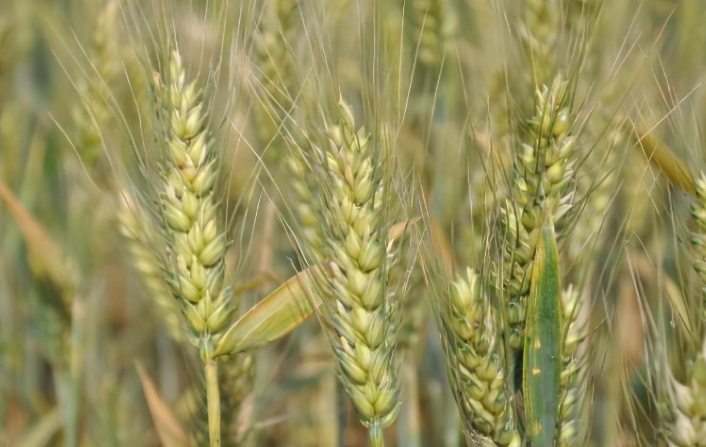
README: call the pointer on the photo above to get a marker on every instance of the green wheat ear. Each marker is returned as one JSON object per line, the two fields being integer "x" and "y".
{"x": 545, "y": 165}
{"x": 476, "y": 361}
{"x": 357, "y": 311}
{"x": 191, "y": 212}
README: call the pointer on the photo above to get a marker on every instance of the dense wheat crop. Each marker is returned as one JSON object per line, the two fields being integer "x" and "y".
{"x": 328, "y": 223}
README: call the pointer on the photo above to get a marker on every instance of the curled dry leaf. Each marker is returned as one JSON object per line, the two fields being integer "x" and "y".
{"x": 659, "y": 155}
{"x": 272, "y": 318}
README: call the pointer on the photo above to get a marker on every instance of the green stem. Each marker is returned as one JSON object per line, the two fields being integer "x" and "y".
{"x": 376, "y": 439}
{"x": 214, "y": 403}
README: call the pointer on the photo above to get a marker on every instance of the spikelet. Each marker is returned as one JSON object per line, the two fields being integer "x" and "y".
{"x": 544, "y": 185}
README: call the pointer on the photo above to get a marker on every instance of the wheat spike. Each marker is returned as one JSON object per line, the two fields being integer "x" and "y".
{"x": 196, "y": 242}
{"x": 476, "y": 362}
{"x": 358, "y": 313}
{"x": 544, "y": 185}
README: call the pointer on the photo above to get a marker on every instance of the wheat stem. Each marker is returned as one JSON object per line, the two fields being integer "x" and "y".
{"x": 214, "y": 403}
{"x": 376, "y": 439}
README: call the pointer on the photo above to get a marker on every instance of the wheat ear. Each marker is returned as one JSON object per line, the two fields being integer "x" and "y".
{"x": 476, "y": 362}
{"x": 150, "y": 267}
{"x": 544, "y": 185}
{"x": 358, "y": 313}
{"x": 684, "y": 409}
{"x": 195, "y": 240}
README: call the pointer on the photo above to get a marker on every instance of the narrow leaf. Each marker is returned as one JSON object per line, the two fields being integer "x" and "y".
{"x": 170, "y": 432}
{"x": 41, "y": 433}
{"x": 659, "y": 155}
{"x": 542, "y": 352}
{"x": 272, "y": 318}
{"x": 45, "y": 257}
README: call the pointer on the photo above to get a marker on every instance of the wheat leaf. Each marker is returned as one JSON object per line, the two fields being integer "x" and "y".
{"x": 45, "y": 256}
{"x": 542, "y": 351}
{"x": 272, "y": 318}
{"x": 42, "y": 432}
{"x": 170, "y": 432}
{"x": 659, "y": 155}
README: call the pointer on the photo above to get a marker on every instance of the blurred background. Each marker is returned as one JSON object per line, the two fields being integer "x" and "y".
{"x": 87, "y": 356}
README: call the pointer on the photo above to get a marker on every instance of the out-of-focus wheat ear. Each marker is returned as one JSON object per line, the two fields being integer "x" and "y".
{"x": 575, "y": 383}
{"x": 548, "y": 29}
{"x": 698, "y": 239}
{"x": 93, "y": 111}
{"x": 433, "y": 24}
{"x": 308, "y": 204}
{"x": 150, "y": 267}
{"x": 544, "y": 187}
{"x": 681, "y": 404}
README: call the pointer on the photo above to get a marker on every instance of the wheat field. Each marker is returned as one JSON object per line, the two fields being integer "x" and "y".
{"x": 329, "y": 223}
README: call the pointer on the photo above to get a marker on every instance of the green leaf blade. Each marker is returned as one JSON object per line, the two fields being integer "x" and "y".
{"x": 542, "y": 350}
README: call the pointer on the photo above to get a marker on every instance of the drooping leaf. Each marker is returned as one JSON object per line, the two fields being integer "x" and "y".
{"x": 659, "y": 155}
{"x": 170, "y": 432}
{"x": 542, "y": 350}
{"x": 41, "y": 433}
{"x": 272, "y": 318}
{"x": 45, "y": 257}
